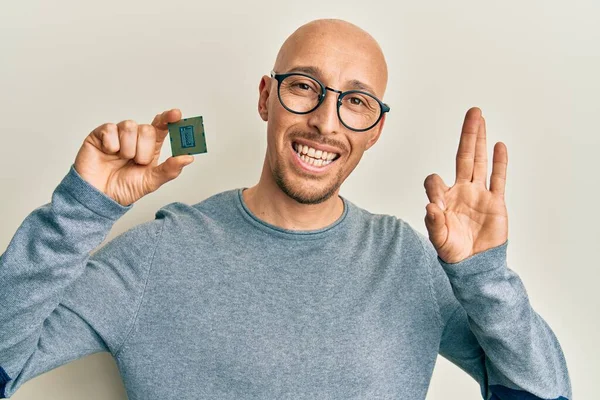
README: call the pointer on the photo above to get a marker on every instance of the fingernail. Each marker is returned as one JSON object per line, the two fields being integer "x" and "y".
{"x": 441, "y": 205}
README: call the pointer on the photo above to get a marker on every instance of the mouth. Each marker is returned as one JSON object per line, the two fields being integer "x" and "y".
{"x": 312, "y": 158}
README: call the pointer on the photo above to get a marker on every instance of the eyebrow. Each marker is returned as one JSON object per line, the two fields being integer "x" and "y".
{"x": 316, "y": 71}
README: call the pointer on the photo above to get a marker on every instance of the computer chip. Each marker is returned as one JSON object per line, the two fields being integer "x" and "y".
{"x": 187, "y": 136}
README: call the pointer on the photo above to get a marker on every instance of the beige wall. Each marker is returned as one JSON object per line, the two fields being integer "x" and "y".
{"x": 68, "y": 66}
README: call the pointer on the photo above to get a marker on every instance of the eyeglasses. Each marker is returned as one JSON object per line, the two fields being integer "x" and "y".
{"x": 301, "y": 94}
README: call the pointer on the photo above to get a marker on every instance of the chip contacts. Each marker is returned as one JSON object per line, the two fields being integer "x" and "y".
{"x": 187, "y": 136}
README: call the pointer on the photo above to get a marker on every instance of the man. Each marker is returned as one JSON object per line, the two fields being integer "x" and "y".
{"x": 285, "y": 289}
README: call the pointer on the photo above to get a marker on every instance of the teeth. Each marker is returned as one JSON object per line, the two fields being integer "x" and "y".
{"x": 314, "y": 157}
{"x": 313, "y": 161}
{"x": 314, "y": 153}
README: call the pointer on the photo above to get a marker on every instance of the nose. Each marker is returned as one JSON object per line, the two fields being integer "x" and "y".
{"x": 325, "y": 118}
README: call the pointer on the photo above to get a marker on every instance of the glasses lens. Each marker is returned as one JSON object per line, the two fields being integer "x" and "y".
{"x": 359, "y": 110}
{"x": 299, "y": 93}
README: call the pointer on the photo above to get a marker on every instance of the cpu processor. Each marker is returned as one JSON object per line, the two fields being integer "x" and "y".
{"x": 187, "y": 136}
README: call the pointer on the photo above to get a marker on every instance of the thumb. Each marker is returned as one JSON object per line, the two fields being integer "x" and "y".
{"x": 169, "y": 169}
{"x": 435, "y": 222}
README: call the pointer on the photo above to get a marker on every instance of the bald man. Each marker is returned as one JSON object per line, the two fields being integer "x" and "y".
{"x": 284, "y": 290}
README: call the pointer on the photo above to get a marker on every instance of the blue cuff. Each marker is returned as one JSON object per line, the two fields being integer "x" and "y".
{"x": 92, "y": 198}
{"x": 504, "y": 393}
{"x": 4, "y": 379}
{"x": 480, "y": 262}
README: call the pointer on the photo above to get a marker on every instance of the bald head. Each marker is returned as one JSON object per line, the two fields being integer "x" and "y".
{"x": 341, "y": 49}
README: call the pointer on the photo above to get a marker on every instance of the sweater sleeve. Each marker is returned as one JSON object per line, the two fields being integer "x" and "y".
{"x": 58, "y": 302}
{"x": 490, "y": 330}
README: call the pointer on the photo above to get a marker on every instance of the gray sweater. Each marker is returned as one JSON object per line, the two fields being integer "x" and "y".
{"x": 209, "y": 302}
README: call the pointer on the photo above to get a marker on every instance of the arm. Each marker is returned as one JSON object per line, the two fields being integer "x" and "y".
{"x": 58, "y": 303}
{"x": 492, "y": 332}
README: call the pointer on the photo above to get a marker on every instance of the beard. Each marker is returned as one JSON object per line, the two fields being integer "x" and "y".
{"x": 304, "y": 196}
{"x": 307, "y": 195}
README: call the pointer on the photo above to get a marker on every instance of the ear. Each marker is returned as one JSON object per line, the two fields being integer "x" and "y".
{"x": 264, "y": 90}
{"x": 376, "y": 134}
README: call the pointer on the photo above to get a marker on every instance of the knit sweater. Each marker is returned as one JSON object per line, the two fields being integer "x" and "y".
{"x": 207, "y": 301}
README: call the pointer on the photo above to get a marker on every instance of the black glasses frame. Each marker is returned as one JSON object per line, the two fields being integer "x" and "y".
{"x": 280, "y": 77}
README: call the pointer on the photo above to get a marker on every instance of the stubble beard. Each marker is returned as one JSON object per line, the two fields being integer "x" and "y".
{"x": 304, "y": 197}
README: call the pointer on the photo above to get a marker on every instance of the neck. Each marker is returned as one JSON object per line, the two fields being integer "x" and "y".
{"x": 269, "y": 203}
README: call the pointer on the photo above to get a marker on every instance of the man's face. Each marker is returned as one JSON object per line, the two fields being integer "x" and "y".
{"x": 336, "y": 60}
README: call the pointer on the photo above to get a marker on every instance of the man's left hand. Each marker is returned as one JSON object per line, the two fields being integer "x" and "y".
{"x": 467, "y": 218}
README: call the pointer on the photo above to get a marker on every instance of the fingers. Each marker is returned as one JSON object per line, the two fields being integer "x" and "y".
{"x": 107, "y": 138}
{"x": 465, "y": 156}
{"x": 161, "y": 122}
{"x": 500, "y": 162}
{"x": 168, "y": 170}
{"x": 128, "y": 140}
{"x": 146, "y": 142}
{"x": 435, "y": 222}
{"x": 480, "y": 164}
{"x": 435, "y": 219}
{"x": 436, "y": 190}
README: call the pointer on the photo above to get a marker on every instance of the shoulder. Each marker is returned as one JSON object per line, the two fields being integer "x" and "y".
{"x": 389, "y": 227}
{"x": 200, "y": 225}
{"x": 216, "y": 204}
{"x": 209, "y": 216}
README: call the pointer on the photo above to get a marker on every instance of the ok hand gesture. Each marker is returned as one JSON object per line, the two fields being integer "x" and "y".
{"x": 467, "y": 218}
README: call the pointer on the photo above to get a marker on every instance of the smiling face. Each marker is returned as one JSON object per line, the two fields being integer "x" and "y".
{"x": 310, "y": 155}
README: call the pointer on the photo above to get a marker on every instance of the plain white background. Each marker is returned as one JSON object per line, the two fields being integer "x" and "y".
{"x": 531, "y": 66}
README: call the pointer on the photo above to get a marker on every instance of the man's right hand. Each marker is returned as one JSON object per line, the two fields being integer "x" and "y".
{"x": 122, "y": 160}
